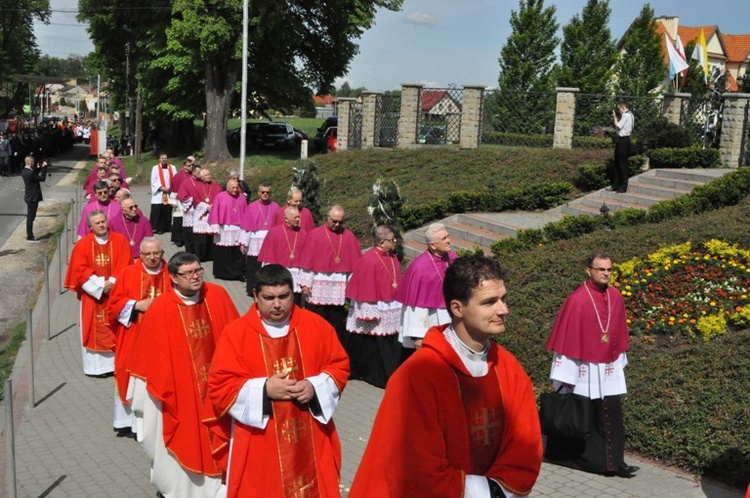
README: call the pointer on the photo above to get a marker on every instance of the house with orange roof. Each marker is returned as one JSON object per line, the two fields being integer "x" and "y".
{"x": 730, "y": 53}
{"x": 439, "y": 103}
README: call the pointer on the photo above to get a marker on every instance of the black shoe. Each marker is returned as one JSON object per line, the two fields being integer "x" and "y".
{"x": 101, "y": 376}
{"x": 33, "y": 239}
{"x": 622, "y": 190}
{"x": 124, "y": 432}
{"x": 627, "y": 471}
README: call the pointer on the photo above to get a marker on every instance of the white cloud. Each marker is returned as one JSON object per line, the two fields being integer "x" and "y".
{"x": 420, "y": 19}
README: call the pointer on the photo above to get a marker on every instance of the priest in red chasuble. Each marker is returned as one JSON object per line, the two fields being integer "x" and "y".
{"x": 332, "y": 252}
{"x": 170, "y": 360}
{"x": 459, "y": 417}
{"x": 276, "y": 379}
{"x": 136, "y": 288}
{"x": 374, "y": 314}
{"x": 590, "y": 342}
{"x": 95, "y": 259}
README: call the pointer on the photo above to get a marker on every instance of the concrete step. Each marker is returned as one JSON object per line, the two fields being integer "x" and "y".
{"x": 578, "y": 209}
{"x": 693, "y": 175}
{"x": 639, "y": 201}
{"x": 472, "y": 234}
{"x": 414, "y": 246}
{"x": 680, "y": 184}
{"x": 663, "y": 193}
{"x": 613, "y": 203}
{"x": 508, "y": 222}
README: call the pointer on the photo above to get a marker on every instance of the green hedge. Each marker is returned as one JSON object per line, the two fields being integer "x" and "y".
{"x": 594, "y": 176}
{"x": 691, "y": 157}
{"x": 725, "y": 191}
{"x": 516, "y": 139}
{"x": 540, "y": 196}
{"x": 593, "y": 143}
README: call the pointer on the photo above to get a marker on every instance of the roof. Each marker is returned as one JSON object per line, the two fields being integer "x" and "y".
{"x": 324, "y": 99}
{"x": 430, "y": 98}
{"x": 687, "y": 34}
{"x": 737, "y": 47}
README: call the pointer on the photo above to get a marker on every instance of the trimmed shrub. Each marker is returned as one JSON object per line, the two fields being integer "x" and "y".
{"x": 592, "y": 143}
{"x": 516, "y": 139}
{"x": 662, "y": 133}
{"x": 692, "y": 157}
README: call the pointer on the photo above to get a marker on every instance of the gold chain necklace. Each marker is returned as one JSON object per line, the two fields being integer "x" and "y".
{"x": 432, "y": 258}
{"x": 125, "y": 226}
{"x": 337, "y": 259}
{"x": 605, "y": 331}
{"x": 291, "y": 249}
{"x": 394, "y": 284}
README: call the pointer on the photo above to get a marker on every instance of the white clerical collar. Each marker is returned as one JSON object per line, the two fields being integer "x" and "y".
{"x": 154, "y": 272}
{"x": 475, "y": 363}
{"x": 276, "y": 329}
{"x": 189, "y": 300}
{"x": 101, "y": 240}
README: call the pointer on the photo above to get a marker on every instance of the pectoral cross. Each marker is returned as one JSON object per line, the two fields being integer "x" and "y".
{"x": 485, "y": 426}
{"x": 301, "y": 487}
{"x": 291, "y": 430}
{"x": 286, "y": 365}
{"x": 200, "y": 328}
{"x": 101, "y": 260}
{"x": 152, "y": 292}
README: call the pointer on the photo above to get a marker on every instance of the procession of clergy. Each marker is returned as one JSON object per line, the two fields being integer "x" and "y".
{"x": 230, "y": 405}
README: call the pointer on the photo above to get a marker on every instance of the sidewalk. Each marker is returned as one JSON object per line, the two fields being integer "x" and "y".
{"x": 65, "y": 446}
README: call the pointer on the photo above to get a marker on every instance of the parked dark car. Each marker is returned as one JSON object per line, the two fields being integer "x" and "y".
{"x": 320, "y": 143}
{"x": 276, "y": 135}
{"x": 251, "y": 132}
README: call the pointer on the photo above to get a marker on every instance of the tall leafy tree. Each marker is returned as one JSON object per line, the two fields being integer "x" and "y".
{"x": 18, "y": 48}
{"x": 587, "y": 52}
{"x": 527, "y": 59}
{"x": 640, "y": 69}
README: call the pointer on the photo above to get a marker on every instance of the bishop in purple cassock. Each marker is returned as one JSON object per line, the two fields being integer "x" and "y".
{"x": 256, "y": 223}
{"x": 131, "y": 223}
{"x": 225, "y": 217}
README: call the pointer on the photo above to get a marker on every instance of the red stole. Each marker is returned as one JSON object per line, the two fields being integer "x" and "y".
{"x": 485, "y": 418}
{"x": 164, "y": 196}
{"x": 103, "y": 339}
{"x": 196, "y": 322}
{"x": 294, "y": 430}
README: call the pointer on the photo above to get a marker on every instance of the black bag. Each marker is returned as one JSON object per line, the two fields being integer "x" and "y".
{"x": 564, "y": 415}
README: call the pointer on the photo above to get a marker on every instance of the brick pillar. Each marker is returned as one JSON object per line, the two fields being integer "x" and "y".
{"x": 732, "y": 128}
{"x": 671, "y": 106}
{"x": 565, "y": 118}
{"x": 369, "y": 110}
{"x": 471, "y": 116}
{"x": 410, "y": 109}
{"x": 342, "y": 140}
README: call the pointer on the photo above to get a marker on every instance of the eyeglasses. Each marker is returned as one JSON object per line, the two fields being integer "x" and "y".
{"x": 393, "y": 240}
{"x": 191, "y": 273}
{"x": 264, "y": 191}
{"x": 154, "y": 254}
{"x": 335, "y": 222}
{"x": 115, "y": 180}
{"x": 134, "y": 206}
{"x": 602, "y": 270}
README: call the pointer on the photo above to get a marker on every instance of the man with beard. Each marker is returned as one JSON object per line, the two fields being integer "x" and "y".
{"x": 132, "y": 224}
{"x": 162, "y": 175}
{"x": 95, "y": 259}
{"x": 331, "y": 254}
{"x": 135, "y": 289}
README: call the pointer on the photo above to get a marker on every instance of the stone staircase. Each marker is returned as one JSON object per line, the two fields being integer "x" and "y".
{"x": 471, "y": 230}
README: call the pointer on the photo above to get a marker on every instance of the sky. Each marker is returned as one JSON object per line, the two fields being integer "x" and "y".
{"x": 436, "y": 42}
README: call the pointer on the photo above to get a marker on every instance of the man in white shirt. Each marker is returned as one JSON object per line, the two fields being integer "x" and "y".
{"x": 624, "y": 124}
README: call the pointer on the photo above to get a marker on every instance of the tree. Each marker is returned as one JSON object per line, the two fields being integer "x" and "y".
{"x": 192, "y": 61}
{"x": 528, "y": 56}
{"x": 18, "y": 48}
{"x": 640, "y": 69}
{"x": 587, "y": 52}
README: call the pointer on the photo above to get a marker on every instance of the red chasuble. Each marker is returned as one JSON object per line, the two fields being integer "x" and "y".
{"x": 295, "y": 455}
{"x": 104, "y": 260}
{"x": 437, "y": 423}
{"x": 579, "y": 333}
{"x": 133, "y": 282}
{"x": 173, "y": 354}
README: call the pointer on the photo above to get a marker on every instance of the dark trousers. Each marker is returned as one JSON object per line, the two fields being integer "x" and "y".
{"x": 229, "y": 263}
{"x": 335, "y": 315}
{"x": 203, "y": 245}
{"x": 176, "y": 236}
{"x": 373, "y": 358}
{"x": 621, "y": 169}
{"x": 187, "y": 239}
{"x": 161, "y": 218}
{"x": 252, "y": 265}
{"x": 604, "y": 450}
{"x": 31, "y": 208}
{"x": 5, "y": 166}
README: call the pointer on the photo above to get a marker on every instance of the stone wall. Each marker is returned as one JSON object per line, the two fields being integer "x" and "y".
{"x": 565, "y": 116}
{"x": 733, "y": 128}
{"x": 471, "y": 117}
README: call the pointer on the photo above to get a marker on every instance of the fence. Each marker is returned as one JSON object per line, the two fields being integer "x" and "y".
{"x": 439, "y": 120}
{"x": 518, "y": 118}
{"x": 387, "y": 114}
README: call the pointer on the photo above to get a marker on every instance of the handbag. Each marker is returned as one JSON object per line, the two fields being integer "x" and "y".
{"x": 564, "y": 415}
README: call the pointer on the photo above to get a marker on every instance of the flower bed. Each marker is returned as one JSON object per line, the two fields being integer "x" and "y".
{"x": 680, "y": 291}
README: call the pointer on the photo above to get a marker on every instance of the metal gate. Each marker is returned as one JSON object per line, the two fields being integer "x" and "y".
{"x": 745, "y": 145}
{"x": 355, "y": 126}
{"x": 387, "y": 113}
{"x": 439, "y": 120}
